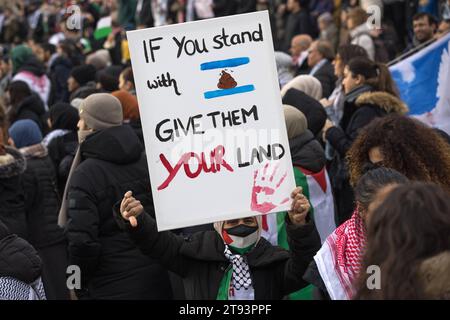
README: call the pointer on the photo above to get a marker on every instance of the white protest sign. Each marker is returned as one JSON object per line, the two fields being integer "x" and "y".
{"x": 212, "y": 119}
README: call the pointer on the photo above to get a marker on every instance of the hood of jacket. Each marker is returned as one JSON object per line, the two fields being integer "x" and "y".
{"x": 360, "y": 30}
{"x": 32, "y": 103}
{"x": 311, "y": 108}
{"x": 12, "y": 164}
{"x": 18, "y": 259}
{"x": 118, "y": 145}
{"x": 307, "y": 152}
{"x": 383, "y": 100}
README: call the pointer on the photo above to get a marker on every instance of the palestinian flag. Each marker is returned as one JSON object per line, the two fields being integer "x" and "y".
{"x": 317, "y": 188}
{"x": 103, "y": 29}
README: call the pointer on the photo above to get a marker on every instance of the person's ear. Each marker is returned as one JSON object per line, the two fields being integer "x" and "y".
{"x": 11, "y": 142}
{"x": 360, "y": 79}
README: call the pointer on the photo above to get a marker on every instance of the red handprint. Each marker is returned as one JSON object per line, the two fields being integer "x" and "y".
{"x": 266, "y": 187}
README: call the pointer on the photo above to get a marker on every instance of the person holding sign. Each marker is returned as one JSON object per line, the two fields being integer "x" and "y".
{"x": 233, "y": 262}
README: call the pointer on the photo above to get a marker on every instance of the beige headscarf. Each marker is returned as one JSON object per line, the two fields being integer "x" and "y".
{"x": 296, "y": 123}
{"x": 305, "y": 83}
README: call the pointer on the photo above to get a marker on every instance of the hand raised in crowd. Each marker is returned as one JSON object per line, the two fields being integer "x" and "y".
{"x": 130, "y": 208}
{"x": 326, "y": 103}
{"x": 300, "y": 207}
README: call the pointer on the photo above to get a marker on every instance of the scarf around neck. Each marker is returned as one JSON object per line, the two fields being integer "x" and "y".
{"x": 237, "y": 281}
{"x": 339, "y": 259}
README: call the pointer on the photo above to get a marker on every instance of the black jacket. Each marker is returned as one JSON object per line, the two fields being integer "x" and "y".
{"x": 201, "y": 262}
{"x": 113, "y": 162}
{"x": 310, "y": 107}
{"x": 327, "y": 79}
{"x": 297, "y": 23}
{"x": 62, "y": 150}
{"x": 42, "y": 202}
{"x": 245, "y": 6}
{"x": 224, "y": 8}
{"x": 31, "y": 108}
{"x": 367, "y": 106}
{"x": 145, "y": 16}
{"x": 12, "y": 198}
{"x": 303, "y": 68}
{"x": 307, "y": 152}
{"x": 312, "y": 276}
{"x": 18, "y": 259}
{"x": 59, "y": 73}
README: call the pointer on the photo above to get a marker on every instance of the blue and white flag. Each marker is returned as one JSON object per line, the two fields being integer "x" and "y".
{"x": 423, "y": 80}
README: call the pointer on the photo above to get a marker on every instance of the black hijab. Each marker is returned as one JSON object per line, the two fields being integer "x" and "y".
{"x": 64, "y": 116}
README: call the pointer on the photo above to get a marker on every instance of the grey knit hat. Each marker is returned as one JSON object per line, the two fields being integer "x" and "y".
{"x": 100, "y": 111}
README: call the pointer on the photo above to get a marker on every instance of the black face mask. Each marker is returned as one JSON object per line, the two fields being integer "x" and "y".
{"x": 241, "y": 230}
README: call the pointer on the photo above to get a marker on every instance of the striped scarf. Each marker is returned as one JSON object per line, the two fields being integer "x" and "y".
{"x": 339, "y": 259}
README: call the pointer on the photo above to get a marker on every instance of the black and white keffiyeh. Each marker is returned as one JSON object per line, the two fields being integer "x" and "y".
{"x": 13, "y": 289}
{"x": 241, "y": 281}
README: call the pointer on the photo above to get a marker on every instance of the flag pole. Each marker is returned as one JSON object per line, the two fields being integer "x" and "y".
{"x": 413, "y": 50}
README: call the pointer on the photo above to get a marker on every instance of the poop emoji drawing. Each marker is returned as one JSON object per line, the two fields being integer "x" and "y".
{"x": 226, "y": 81}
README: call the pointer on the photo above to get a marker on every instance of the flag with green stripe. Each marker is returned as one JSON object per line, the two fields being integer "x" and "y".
{"x": 316, "y": 187}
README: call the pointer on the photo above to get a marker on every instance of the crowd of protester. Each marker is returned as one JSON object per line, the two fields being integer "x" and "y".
{"x": 68, "y": 198}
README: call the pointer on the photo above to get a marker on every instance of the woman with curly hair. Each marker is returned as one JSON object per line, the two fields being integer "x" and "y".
{"x": 403, "y": 144}
{"x": 370, "y": 93}
{"x": 408, "y": 239}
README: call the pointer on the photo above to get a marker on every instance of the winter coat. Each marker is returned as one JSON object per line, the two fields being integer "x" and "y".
{"x": 245, "y": 6}
{"x": 59, "y": 73}
{"x": 201, "y": 262}
{"x": 31, "y": 108}
{"x": 325, "y": 74}
{"x": 310, "y": 107}
{"x": 369, "y": 105}
{"x": 41, "y": 198}
{"x": 224, "y": 8}
{"x": 307, "y": 152}
{"x": 297, "y": 23}
{"x": 340, "y": 180}
{"x": 20, "y": 268}
{"x": 62, "y": 151}
{"x": 361, "y": 36}
{"x": 12, "y": 198}
{"x": 112, "y": 266}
